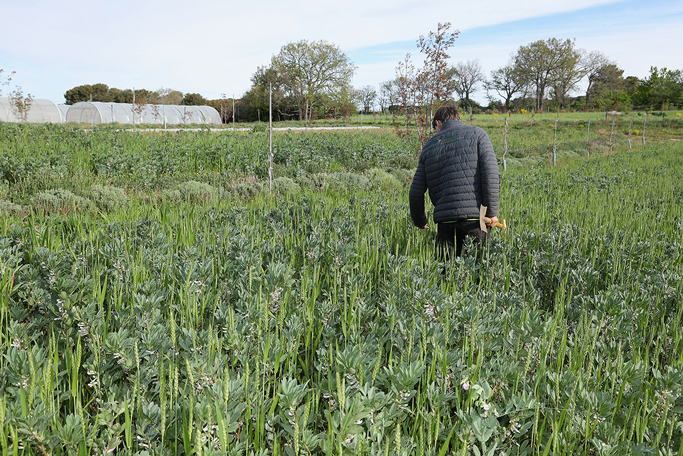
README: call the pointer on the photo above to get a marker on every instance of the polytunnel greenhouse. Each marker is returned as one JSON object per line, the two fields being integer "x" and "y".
{"x": 41, "y": 111}
{"x": 123, "y": 113}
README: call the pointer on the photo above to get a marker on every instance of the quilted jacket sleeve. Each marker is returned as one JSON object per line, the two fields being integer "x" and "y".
{"x": 488, "y": 169}
{"x": 417, "y": 195}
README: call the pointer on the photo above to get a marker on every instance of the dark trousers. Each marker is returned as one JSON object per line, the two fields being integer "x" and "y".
{"x": 451, "y": 236}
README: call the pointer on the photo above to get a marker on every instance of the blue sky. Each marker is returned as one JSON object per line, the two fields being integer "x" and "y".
{"x": 214, "y": 47}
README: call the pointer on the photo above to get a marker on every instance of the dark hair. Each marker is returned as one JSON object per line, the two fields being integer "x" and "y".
{"x": 445, "y": 113}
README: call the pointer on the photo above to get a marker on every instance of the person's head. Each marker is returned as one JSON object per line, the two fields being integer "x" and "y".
{"x": 443, "y": 114}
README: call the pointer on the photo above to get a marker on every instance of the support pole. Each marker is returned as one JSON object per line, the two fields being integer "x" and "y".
{"x": 270, "y": 136}
{"x": 134, "y": 127}
{"x": 92, "y": 116}
{"x": 555, "y": 140}
{"x": 505, "y": 144}
{"x": 588, "y": 140}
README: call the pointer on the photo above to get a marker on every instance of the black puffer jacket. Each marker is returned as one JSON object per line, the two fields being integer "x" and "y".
{"x": 459, "y": 168}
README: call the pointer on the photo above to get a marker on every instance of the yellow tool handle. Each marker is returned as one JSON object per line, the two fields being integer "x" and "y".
{"x": 498, "y": 224}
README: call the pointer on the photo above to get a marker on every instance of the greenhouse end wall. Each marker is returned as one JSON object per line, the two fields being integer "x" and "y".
{"x": 41, "y": 111}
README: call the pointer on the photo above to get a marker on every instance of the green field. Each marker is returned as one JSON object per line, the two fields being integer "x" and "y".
{"x": 156, "y": 298}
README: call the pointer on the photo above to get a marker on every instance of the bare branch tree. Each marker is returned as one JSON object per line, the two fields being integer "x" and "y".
{"x": 8, "y": 79}
{"x": 467, "y": 75}
{"x": 406, "y": 93}
{"x": 505, "y": 82}
{"x": 433, "y": 79}
{"x": 139, "y": 103}
{"x": 387, "y": 95}
{"x": 366, "y": 97}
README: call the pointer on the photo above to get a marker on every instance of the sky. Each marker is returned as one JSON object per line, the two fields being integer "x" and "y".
{"x": 214, "y": 47}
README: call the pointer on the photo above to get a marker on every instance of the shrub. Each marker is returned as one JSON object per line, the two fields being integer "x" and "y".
{"x": 404, "y": 176}
{"x": 285, "y": 185}
{"x": 59, "y": 201}
{"x": 404, "y": 161}
{"x": 248, "y": 189}
{"x": 259, "y": 127}
{"x": 336, "y": 181}
{"x": 349, "y": 181}
{"x": 381, "y": 179}
{"x": 191, "y": 191}
{"x": 108, "y": 198}
{"x": 4, "y": 189}
{"x": 9, "y": 208}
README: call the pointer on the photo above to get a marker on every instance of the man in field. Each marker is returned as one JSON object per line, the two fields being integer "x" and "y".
{"x": 459, "y": 168}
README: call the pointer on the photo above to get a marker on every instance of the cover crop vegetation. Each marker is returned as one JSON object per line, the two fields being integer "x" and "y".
{"x": 315, "y": 320}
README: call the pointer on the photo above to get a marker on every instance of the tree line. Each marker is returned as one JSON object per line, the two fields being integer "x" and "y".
{"x": 542, "y": 75}
{"x": 104, "y": 93}
{"x": 546, "y": 75}
{"x": 313, "y": 79}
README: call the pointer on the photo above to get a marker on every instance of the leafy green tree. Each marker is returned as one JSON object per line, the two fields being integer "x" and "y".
{"x": 608, "y": 88}
{"x": 662, "y": 88}
{"x": 258, "y": 97}
{"x": 98, "y": 92}
{"x": 143, "y": 95}
{"x": 121, "y": 96}
{"x": 613, "y": 99}
{"x": 593, "y": 64}
{"x": 311, "y": 69}
{"x": 166, "y": 96}
{"x": 549, "y": 64}
{"x": 193, "y": 99}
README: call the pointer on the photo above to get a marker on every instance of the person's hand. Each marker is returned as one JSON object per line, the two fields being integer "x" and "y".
{"x": 426, "y": 227}
{"x": 494, "y": 220}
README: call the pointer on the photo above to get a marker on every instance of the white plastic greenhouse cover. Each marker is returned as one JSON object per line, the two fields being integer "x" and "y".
{"x": 41, "y": 111}
{"x": 98, "y": 112}
{"x": 63, "y": 109}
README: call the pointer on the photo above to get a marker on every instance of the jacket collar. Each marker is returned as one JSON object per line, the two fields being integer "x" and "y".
{"x": 450, "y": 123}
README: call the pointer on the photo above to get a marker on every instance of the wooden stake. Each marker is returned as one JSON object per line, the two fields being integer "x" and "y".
{"x": 588, "y": 140}
{"x": 270, "y": 136}
{"x": 555, "y": 140}
{"x": 505, "y": 144}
